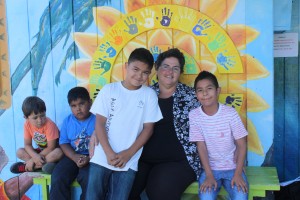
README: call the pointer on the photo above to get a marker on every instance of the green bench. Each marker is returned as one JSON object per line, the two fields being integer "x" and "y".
{"x": 261, "y": 179}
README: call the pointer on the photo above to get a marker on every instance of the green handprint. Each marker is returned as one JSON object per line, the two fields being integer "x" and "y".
{"x": 217, "y": 43}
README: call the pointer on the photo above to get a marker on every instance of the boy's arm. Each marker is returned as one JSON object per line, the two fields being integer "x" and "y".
{"x": 93, "y": 142}
{"x": 36, "y": 160}
{"x": 103, "y": 139}
{"x": 29, "y": 148}
{"x": 210, "y": 183}
{"x": 80, "y": 160}
{"x": 241, "y": 150}
{"x": 124, "y": 156}
{"x": 51, "y": 145}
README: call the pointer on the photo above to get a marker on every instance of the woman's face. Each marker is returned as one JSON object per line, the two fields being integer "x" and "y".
{"x": 169, "y": 71}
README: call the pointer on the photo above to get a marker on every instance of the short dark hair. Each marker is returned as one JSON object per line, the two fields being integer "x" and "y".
{"x": 78, "y": 92}
{"x": 33, "y": 104}
{"x": 206, "y": 75}
{"x": 143, "y": 55}
{"x": 174, "y": 52}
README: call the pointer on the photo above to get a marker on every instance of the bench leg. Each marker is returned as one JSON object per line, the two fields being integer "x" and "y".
{"x": 43, "y": 183}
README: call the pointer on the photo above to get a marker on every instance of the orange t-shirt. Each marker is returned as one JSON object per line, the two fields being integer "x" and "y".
{"x": 41, "y": 135}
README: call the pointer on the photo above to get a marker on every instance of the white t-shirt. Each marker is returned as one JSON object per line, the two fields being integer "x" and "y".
{"x": 219, "y": 133}
{"x": 126, "y": 112}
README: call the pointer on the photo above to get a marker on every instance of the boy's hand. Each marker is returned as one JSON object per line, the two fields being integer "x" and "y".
{"x": 122, "y": 158}
{"x": 29, "y": 167}
{"x": 240, "y": 183}
{"x": 83, "y": 161}
{"x": 111, "y": 158}
{"x": 39, "y": 160}
{"x": 93, "y": 142}
{"x": 209, "y": 184}
{"x": 76, "y": 158}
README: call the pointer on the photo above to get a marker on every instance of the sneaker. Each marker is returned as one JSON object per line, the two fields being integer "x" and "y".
{"x": 18, "y": 167}
{"x": 48, "y": 168}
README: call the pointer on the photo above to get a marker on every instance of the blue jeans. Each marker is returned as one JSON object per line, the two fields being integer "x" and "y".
{"x": 64, "y": 173}
{"x": 107, "y": 184}
{"x": 223, "y": 178}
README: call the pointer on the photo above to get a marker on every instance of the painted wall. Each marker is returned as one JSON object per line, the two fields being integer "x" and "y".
{"x": 286, "y": 114}
{"x": 58, "y": 44}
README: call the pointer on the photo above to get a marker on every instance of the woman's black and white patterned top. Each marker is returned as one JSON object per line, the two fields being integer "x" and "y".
{"x": 184, "y": 101}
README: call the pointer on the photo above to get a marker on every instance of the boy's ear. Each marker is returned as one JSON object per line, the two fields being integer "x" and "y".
{"x": 25, "y": 117}
{"x": 126, "y": 65}
{"x": 219, "y": 90}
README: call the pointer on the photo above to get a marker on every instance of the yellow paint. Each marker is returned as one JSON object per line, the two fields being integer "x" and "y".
{"x": 5, "y": 91}
{"x": 190, "y": 21}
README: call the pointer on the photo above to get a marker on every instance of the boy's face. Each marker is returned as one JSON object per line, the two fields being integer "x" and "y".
{"x": 81, "y": 108}
{"x": 37, "y": 120}
{"x": 137, "y": 74}
{"x": 207, "y": 93}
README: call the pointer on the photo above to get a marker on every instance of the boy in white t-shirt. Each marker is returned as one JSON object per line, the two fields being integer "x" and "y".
{"x": 221, "y": 141}
{"x": 125, "y": 115}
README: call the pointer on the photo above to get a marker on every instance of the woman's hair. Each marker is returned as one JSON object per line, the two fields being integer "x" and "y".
{"x": 33, "y": 104}
{"x": 206, "y": 75}
{"x": 78, "y": 92}
{"x": 174, "y": 52}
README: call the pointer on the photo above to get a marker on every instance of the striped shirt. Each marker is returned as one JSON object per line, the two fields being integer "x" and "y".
{"x": 219, "y": 133}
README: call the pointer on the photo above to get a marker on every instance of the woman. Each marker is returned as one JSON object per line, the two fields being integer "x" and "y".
{"x": 169, "y": 162}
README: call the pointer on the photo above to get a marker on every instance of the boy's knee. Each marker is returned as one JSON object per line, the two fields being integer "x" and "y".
{"x": 21, "y": 153}
{"x": 55, "y": 155}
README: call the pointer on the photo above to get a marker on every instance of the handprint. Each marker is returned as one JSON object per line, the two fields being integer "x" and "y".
{"x": 166, "y": 17}
{"x": 201, "y": 26}
{"x": 131, "y": 23}
{"x": 98, "y": 80}
{"x": 148, "y": 15}
{"x": 109, "y": 50}
{"x": 116, "y": 35}
{"x": 217, "y": 43}
{"x": 233, "y": 101}
{"x": 225, "y": 61}
{"x": 155, "y": 52}
{"x": 102, "y": 64}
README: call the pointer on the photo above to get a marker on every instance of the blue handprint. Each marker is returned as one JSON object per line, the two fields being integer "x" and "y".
{"x": 201, "y": 26}
{"x": 225, "y": 61}
{"x": 103, "y": 64}
{"x": 166, "y": 17}
{"x": 131, "y": 23}
{"x": 155, "y": 52}
{"x": 109, "y": 50}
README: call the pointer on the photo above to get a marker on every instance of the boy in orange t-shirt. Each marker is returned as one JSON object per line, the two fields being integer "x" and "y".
{"x": 44, "y": 133}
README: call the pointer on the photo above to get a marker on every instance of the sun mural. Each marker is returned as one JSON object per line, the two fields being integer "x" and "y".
{"x": 197, "y": 28}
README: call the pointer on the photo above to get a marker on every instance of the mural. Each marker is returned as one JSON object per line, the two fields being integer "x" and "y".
{"x": 87, "y": 42}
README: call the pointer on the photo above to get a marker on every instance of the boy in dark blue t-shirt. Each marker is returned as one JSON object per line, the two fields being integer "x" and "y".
{"x": 74, "y": 140}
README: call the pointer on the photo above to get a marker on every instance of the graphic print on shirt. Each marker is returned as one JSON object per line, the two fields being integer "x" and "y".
{"x": 111, "y": 113}
{"x": 40, "y": 140}
{"x": 82, "y": 141}
{"x": 141, "y": 104}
